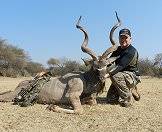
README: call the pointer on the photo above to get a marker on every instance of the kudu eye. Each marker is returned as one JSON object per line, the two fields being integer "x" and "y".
{"x": 109, "y": 65}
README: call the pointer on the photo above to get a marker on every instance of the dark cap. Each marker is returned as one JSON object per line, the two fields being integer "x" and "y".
{"x": 125, "y": 31}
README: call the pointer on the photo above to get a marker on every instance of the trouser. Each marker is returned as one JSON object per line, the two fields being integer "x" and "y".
{"x": 122, "y": 82}
{"x": 112, "y": 94}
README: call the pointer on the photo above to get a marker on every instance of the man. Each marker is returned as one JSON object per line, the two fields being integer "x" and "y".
{"x": 124, "y": 75}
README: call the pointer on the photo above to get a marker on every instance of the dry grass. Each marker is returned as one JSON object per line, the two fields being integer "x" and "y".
{"x": 143, "y": 116}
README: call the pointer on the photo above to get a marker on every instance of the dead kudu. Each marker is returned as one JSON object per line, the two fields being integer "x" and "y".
{"x": 74, "y": 88}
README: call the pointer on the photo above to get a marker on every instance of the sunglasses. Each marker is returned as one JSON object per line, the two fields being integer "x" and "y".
{"x": 123, "y": 37}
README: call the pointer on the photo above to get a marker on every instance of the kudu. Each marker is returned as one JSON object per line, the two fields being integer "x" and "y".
{"x": 74, "y": 88}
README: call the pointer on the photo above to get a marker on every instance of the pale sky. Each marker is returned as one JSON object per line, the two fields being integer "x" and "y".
{"x": 46, "y": 28}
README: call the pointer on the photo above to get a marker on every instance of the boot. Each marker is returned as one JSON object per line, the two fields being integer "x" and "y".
{"x": 135, "y": 93}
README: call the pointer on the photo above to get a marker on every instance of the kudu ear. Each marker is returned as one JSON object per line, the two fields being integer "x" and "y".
{"x": 87, "y": 62}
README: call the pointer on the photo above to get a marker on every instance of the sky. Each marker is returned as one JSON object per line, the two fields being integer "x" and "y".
{"x": 46, "y": 28}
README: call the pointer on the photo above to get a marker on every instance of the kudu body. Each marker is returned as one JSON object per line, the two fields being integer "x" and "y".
{"x": 74, "y": 88}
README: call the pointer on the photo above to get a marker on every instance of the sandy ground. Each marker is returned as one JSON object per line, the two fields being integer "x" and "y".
{"x": 143, "y": 116}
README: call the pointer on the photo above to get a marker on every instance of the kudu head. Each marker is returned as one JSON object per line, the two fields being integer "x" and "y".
{"x": 99, "y": 63}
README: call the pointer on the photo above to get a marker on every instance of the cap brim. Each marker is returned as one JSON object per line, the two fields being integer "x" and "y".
{"x": 124, "y": 34}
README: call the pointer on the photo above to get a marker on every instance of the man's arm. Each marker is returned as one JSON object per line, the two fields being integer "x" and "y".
{"x": 123, "y": 62}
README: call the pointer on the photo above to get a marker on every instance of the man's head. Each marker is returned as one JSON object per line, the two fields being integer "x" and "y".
{"x": 124, "y": 38}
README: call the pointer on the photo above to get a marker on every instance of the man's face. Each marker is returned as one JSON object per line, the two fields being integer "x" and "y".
{"x": 125, "y": 41}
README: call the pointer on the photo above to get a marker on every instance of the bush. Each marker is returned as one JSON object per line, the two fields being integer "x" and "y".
{"x": 15, "y": 62}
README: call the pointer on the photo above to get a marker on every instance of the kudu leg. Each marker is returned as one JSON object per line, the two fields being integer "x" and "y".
{"x": 91, "y": 100}
{"x": 7, "y": 96}
{"x": 75, "y": 101}
{"x": 56, "y": 108}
